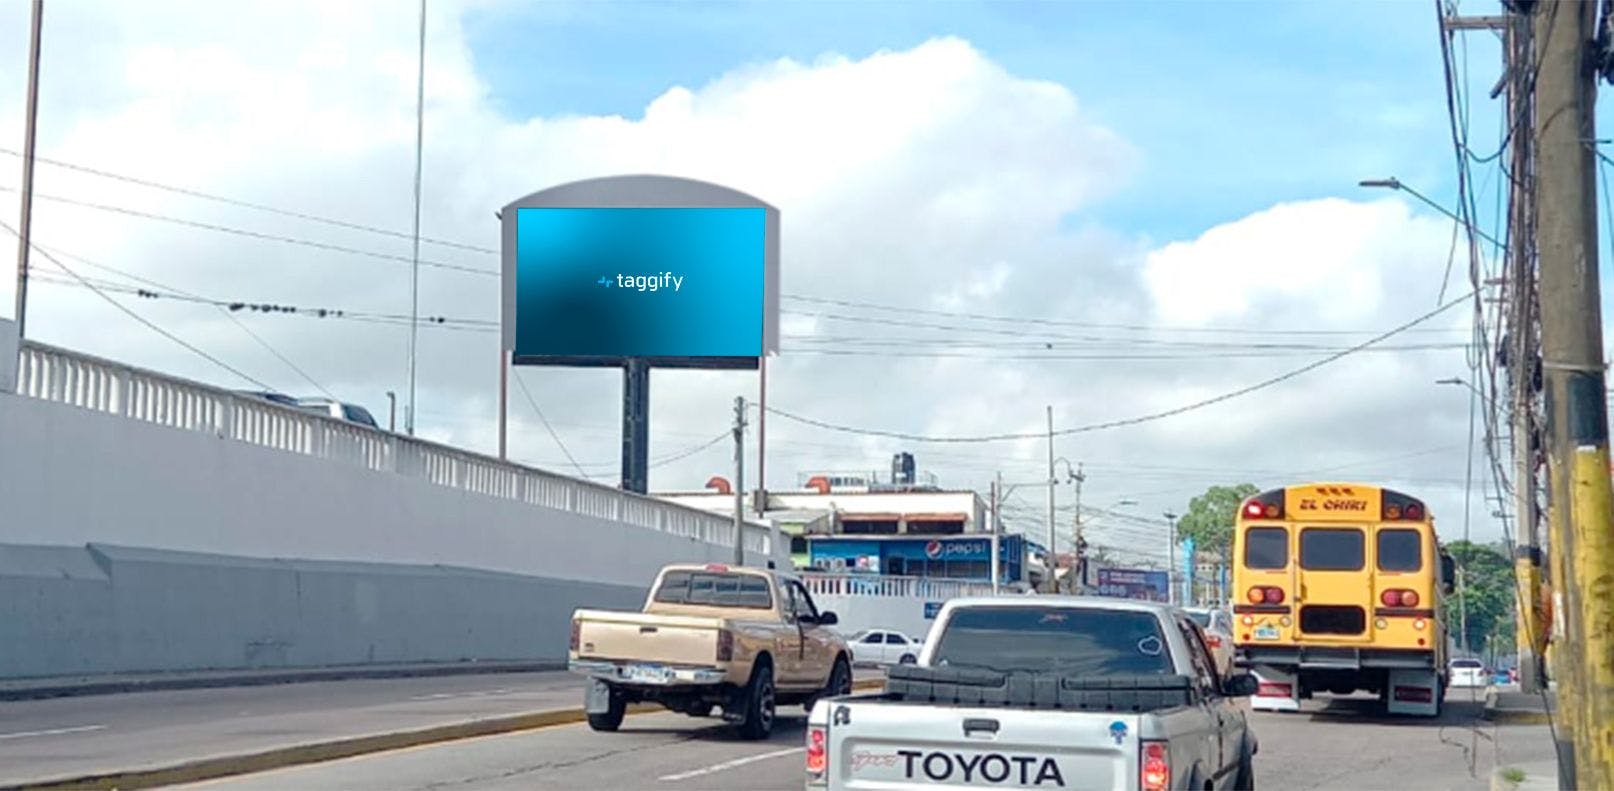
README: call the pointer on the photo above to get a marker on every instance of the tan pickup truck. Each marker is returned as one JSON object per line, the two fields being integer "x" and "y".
{"x": 711, "y": 636}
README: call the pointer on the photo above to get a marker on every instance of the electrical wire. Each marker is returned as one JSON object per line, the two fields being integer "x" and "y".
{"x": 1265, "y": 383}
{"x": 141, "y": 319}
{"x": 533, "y": 402}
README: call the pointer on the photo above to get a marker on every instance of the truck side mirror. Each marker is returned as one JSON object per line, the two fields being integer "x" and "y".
{"x": 1242, "y": 685}
{"x": 827, "y": 618}
{"x": 1448, "y": 573}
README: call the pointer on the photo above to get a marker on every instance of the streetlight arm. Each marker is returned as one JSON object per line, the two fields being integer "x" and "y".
{"x": 1394, "y": 183}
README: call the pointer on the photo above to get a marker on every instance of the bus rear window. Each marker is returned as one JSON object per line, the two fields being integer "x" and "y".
{"x": 1400, "y": 550}
{"x": 1266, "y": 548}
{"x": 1331, "y": 549}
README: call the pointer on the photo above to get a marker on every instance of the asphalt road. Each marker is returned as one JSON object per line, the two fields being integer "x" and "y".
{"x": 1331, "y": 744}
{"x": 61, "y": 737}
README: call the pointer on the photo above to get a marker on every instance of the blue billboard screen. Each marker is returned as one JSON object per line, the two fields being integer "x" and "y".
{"x": 1134, "y": 584}
{"x": 614, "y": 283}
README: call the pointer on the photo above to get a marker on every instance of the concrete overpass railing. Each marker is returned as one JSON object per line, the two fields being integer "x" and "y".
{"x": 61, "y": 376}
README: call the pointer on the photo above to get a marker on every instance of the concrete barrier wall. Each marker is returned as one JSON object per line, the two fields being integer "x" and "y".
{"x": 74, "y": 476}
{"x": 104, "y": 608}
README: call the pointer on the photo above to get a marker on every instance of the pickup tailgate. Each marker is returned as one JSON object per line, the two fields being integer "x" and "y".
{"x": 632, "y": 636}
{"x": 885, "y": 745}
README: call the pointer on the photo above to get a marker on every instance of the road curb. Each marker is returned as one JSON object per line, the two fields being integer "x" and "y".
{"x": 1511, "y": 716}
{"x": 295, "y": 755}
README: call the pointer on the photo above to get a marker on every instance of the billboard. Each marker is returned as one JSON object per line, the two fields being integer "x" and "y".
{"x": 674, "y": 272}
{"x": 1134, "y": 584}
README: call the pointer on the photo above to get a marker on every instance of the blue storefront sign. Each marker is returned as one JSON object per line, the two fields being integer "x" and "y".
{"x": 931, "y": 608}
{"x": 1134, "y": 584}
{"x": 952, "y": 557}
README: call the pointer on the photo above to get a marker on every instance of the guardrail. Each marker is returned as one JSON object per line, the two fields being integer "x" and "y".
{"x": 66, "y": 377}
{"x": 819, "y": 584}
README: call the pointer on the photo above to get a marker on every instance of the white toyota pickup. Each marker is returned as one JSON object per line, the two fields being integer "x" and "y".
{"x": 1046, "y": 692}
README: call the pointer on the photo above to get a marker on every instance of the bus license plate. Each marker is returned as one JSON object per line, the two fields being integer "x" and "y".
{"x": 649, "y": 674}
{"x": 1266, "y": 631}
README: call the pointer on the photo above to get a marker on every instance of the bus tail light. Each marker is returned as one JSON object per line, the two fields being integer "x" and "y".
{"x": 817, "y": 753}
{"x": 725, "y": 645}
{"x": 1399, "y": 597}
{"x": 1154, "y": 771}
{"x": 1267, "y": 505}
{"x": 1264, "y": 594}
{"x": 1273, "y": 689}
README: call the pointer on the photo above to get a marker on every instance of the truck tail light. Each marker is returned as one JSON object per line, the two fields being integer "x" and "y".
{"x": 577, "y": 635}
{"x": 1154, "y": 771}
{"x": 725, "y": 645}
{"x": 1214, "y": 641}
{"x": 817, "y": 752}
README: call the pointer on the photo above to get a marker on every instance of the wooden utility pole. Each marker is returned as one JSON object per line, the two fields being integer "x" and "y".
{"x": 1572, "y": 360}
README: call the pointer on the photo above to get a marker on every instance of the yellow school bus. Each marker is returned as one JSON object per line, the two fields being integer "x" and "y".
{"x": 1337, "y": 587}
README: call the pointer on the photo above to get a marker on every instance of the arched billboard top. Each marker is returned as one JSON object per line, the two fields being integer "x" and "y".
{"x": 674, "y": 271}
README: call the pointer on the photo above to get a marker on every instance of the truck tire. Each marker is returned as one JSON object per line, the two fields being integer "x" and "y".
{"x": 610, "y": 719}
{"x": 1244, "y": 778}
{"x": 756, "y": 721}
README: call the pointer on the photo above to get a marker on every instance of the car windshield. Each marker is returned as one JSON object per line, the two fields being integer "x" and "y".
{"x": 1201, "y": 617}
{"x": 1466, "y": 663}
{"x": 1076, "y": 641}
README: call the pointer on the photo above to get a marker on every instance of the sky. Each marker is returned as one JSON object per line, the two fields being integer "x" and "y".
{"x": 1114, "y": 209}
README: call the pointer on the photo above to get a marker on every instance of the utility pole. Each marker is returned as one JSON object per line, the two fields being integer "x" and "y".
{"x": 1572, "y": 361}
{"x": 414, "y": 276}
{"x": 1171, "y": 556}
{"x": 739, "y": 480}
{"x": 25, "y": 223}
{"x": 1053, "y": 538}
{"x": 996, "y": 528}
{"x": 1078, "y": 545}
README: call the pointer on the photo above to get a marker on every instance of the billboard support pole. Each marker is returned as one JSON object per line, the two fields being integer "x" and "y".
{"x": 504, "y": 403}
{"x": 636, "y": 425}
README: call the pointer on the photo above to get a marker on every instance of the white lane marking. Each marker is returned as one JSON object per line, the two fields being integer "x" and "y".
{"x": 446, "y": 695}
{"x": 52, "y": 732}
{"x": 729, "y": 765}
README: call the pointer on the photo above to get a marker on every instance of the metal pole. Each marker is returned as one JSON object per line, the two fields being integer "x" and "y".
{"x": 25, "y": 223}
{"x": 1053, "y": 538}
{"x": 504, "y": 405}
{"x": 996, "y": 527}
{"x": 1171, "y": 557}
{"x": 414, "y": 274}
{"x": 739, "y": 480}
{"x": 1572, "y": 359}
{"x": 1076, "y": 544}
{"x": 762, "y": 438}
{"x": 1464, "y": 641}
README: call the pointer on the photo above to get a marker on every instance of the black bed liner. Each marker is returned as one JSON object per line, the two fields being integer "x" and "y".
{"x": 1054, "y": 691}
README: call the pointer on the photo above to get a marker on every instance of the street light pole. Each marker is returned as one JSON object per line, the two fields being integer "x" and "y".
{"x": 25, "y": 222}
{"x": 1394, "y": 183}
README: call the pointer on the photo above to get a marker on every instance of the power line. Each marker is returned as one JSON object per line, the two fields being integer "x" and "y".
{"x": 229, "y": 229}
{"x": 353, "y": 226}
{"x": 551, "y": 429}
{"x": 1132, "y": 420}
{"x": 143, "y": 320}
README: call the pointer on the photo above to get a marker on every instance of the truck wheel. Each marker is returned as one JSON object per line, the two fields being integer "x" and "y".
{"x": 1244, "y": 779}
{"x": 839, "y": 683}
{"x": 610, "y": 719}
{"x": 758, "y": 699}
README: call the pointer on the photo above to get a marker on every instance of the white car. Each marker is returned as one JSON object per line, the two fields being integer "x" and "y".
{"x": 1217, "y": 624}
{"x": 884, "y": 647}
{"x": 1468, "y": 673}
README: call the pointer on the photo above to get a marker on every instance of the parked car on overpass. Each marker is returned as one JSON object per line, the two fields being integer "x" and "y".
{"x": 352, "y": 413}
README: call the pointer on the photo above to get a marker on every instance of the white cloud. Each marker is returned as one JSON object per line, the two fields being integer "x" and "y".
{"x": 930, "y": 177}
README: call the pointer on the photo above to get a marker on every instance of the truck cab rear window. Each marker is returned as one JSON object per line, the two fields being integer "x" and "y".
{"x": 1054, "y": 639}
{"x": 1266, "y": 548}
{"x": 714, "y": 589}
{"x": 1331, "y": 549}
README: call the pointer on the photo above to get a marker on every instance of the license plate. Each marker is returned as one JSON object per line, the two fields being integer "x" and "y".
{"x": 651, "y": 674}
{"x": 1266, "y": 631}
